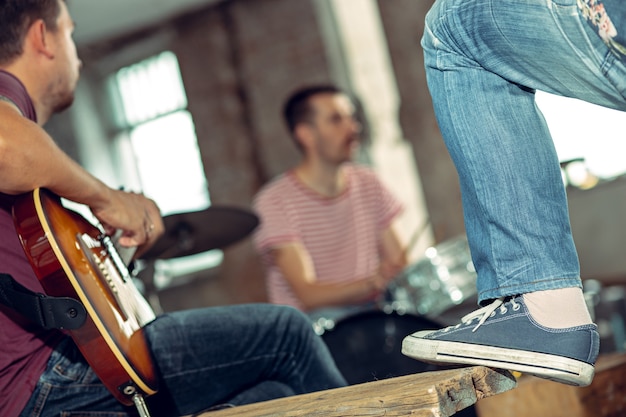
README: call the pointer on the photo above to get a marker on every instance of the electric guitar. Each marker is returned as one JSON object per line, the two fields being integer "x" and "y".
{"x": 73, "y": 258}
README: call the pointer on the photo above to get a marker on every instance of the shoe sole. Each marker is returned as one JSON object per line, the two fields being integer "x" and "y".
{"x": 552, "y": 367}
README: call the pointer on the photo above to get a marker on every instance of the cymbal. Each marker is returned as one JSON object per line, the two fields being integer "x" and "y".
{"x": 194, "y": 232}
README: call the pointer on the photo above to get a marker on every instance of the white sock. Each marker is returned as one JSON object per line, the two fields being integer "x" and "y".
{"x": 558, "y": 309}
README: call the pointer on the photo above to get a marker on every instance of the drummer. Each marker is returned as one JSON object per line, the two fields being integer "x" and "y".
{"x": 327, "y": 231}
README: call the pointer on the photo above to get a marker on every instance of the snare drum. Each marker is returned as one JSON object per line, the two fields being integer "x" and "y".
{"x": 444, "y": 280}
{"x": 367, "y": 346}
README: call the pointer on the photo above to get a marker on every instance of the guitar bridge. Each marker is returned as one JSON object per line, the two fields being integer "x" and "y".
{"x": 99, "y": 258}
{"x": 115, "y": 281}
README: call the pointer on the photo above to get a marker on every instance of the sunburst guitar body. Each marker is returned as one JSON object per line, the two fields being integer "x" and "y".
{"x": 73, "y": 258}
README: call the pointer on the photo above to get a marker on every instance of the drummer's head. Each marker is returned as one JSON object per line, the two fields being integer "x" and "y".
{"x": 322, "y": 116}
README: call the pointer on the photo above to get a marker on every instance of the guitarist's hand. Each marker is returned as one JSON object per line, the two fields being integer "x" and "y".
{"x": 137, "y": 216}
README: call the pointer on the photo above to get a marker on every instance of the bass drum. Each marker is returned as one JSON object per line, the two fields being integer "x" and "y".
{"x": 367, "y": 346}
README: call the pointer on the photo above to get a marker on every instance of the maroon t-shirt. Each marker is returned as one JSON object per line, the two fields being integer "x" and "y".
{"x": 24, "y": 346}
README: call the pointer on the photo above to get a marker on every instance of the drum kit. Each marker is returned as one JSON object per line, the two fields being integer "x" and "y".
{"x": 436, "y": 291}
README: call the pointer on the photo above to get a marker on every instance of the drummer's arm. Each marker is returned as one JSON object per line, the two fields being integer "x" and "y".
{"x": 296, "y": 265}
{"x": 394, "y": 256}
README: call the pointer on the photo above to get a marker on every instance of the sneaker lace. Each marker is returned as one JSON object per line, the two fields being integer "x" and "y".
{"x": 488, "y": 311}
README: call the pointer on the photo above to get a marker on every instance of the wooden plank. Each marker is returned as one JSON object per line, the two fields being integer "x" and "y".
{"x": 535, "y": 397}
{"x": 428, "y": 394}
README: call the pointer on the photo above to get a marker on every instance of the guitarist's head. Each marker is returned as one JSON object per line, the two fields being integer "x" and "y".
{"x": 36, "y": 46}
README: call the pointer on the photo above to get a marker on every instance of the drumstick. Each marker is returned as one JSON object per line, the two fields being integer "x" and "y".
{"x": 416, "y": 236}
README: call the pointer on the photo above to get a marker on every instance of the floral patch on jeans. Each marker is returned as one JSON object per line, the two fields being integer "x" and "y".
{"x": 596, "y": 14}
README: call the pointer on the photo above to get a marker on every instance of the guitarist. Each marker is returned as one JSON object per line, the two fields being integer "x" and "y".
{"x": 204, "y": 357}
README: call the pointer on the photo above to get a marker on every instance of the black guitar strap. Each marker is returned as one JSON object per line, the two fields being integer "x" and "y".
{"x": 48, "y": 312}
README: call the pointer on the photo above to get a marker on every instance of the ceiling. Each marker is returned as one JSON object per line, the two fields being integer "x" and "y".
{"x": 98, "y": 19}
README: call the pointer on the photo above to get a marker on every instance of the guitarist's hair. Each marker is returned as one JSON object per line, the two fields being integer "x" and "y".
{"x": 16, "y": 17}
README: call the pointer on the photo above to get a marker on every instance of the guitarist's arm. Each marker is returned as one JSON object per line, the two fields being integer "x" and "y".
{"x": 29, "y": 159}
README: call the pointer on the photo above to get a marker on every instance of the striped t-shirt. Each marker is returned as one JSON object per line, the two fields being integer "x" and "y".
{"x": 341, "y": 234}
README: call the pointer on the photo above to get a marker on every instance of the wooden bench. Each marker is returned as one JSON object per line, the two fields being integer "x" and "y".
{"x": 535, "y": 397}
{"x": 428, "y": 394}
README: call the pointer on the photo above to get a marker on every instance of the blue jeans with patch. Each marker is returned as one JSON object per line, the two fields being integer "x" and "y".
{"x": 484, "y": 61}
{"x": 205, "y": 357}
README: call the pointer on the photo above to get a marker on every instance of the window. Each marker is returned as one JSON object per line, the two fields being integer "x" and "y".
{"x": 157, "y": 148}
{"x": 590, "y": 137}
{"x": 150, "y": 111}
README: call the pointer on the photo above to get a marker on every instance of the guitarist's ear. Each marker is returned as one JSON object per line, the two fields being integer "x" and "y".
{"x": 39, "y": 39}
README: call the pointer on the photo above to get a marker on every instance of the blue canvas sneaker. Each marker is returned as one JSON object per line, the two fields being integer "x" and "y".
{"x": 504, "y": 335}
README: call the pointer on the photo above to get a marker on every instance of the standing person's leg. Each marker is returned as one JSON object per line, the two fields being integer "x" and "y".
{"x": 238, "y": 354}
{"x": 484, "y": 60}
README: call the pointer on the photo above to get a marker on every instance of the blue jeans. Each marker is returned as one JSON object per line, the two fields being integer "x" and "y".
{"x": 484, "y": 61}
{"x": 205, "y": 357}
